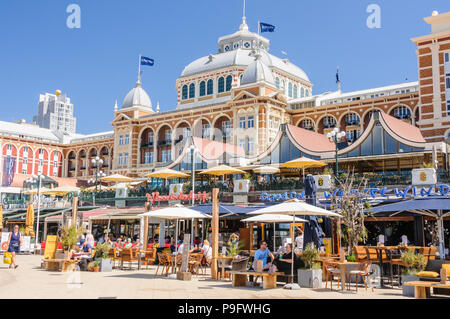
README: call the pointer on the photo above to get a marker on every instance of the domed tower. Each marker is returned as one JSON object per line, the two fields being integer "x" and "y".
{"x": 137, "y": 99}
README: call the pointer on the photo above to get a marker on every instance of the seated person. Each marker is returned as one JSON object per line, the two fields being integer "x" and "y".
{"x": 283, "y": 262}
{"x": 207, "y": 251}
{"x": 75, "y": 253}
{"x": 196, "y": 250}
{"x": 118, "y": 243}
{"x": 173, "y": 248}
{"x": 86, "y": 254}
{"x": 137, "y": 244}
{"x": 262, "y": 254}
{"x": 129, "y": 244}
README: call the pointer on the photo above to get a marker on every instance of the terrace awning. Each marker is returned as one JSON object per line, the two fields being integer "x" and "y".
{"x": 430, "y": 206}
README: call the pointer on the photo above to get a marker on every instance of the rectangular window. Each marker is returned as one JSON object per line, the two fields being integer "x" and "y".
{"x": 24, "y": 170}
{"x": 127, "y": 139}
{"x": 226, "y": 129}
{"x": 447, "y": 82}
{"x": 167, "y": 136}
{"x": 150, "y": 138}
{"x": 25, "y": 161}
{"x": 165, "y": 156}
{"x": 251, "y": 122}
{"x": 242, "y": 123}
{"x": 120, "y": 159}
{"x": 448, "y": 108}
{"x": 148, "y": 158}
{"x": 251, "y": 145}
{"x": 125, "y": 159}
{"x": 186, "y": 132}
{"x": 447, "y": 57}
{"x": 242, "y": 143}
{"x": 121, "y": 140}
{"x": 205, "y": 131}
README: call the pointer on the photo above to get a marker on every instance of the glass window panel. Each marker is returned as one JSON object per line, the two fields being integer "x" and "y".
{"x": 390, "y": 144}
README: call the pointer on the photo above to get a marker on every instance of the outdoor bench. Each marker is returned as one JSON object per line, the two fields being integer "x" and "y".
{"x": 240, "y": 278}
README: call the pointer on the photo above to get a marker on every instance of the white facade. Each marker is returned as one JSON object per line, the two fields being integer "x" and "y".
{"x": 55, "y": 112}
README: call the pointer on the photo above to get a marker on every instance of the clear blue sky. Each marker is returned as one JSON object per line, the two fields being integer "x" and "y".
{"x": 97, "y": 64}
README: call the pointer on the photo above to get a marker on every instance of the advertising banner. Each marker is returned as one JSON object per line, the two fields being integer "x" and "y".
{"x": 4, "y": 245}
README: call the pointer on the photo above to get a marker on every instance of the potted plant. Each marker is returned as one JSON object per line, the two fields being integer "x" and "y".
{"x": 69, "y": 236}
{"x": 414, "y": 263}
{"x": 102, "y": 255}
{"x": 311, "y": 275}
{"x": 94, "y": 266}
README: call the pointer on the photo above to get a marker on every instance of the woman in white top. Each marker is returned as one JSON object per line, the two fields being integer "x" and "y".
{"x": 207, "y": 251}
{"x": 299, "y": 240}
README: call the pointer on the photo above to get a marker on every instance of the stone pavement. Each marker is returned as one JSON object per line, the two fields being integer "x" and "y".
{"x": 29, "y": 281}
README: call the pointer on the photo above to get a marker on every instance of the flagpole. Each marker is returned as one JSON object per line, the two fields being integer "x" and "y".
{"x": 139, "y": 68}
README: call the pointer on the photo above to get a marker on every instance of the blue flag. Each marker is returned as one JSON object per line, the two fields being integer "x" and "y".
{"x": 266, "y": 27}
{"x": 147, "y": 61}
{"x": 9, "y": 166}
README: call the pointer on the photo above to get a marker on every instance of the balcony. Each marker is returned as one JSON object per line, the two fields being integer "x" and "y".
{"x": 352, "y": 123}
{"x": 165, "y": 143}
{"x": 71, "y": 169}
{"x": 147, "y": 145}
{"x": 72, "y": 157}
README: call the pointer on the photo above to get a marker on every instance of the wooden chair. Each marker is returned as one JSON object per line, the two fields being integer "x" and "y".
{"x": 117, "y": 256}
{"x": 432, "y": 253}
{"x": 129, "y": 256}
{"x": 363, "y": 271}
{"x": 360, "y": 253}
{"x": 163, "y": 262}
{"x": 195, "y": 262}
{"x": 227, "y": 266}
{"x": 150, "y": 257}
{"x": 331, "y": 271}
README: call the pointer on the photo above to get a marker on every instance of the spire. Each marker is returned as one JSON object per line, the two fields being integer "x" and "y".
{"x": 244, "y": 25}
{"x": 157, "y": 107}
{"x": 116, "y": 107}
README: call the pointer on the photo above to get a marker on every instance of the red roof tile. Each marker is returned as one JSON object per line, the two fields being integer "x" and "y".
{"x": 213, "y": 149}
{"x": 19, "y": 179}
{"x": 310, "y": 140}
{"x": 402, "y": 129}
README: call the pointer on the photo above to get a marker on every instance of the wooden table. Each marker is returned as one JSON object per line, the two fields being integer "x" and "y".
{"x": 269, "y": 279}
{"x": 343, "y": 270}
{"x": 223, "y": 258}
{"x": 422, "y": 288}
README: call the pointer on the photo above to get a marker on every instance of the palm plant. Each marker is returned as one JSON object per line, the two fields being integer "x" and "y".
{"x": 69, "y": 236}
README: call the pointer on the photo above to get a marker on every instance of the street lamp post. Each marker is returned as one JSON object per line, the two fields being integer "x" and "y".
{"x": 98, "y": 174}
{"x": 335, "y": 136}
{"x": 193, "y": 149}
{"x": 37, "y": 178}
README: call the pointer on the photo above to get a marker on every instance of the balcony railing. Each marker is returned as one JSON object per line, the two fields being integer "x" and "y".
{"x": 147, "y": 145}
{"x": 165, "y": 143}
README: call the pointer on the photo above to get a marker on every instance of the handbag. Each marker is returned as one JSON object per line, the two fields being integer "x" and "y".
{"x": 7, "y": 258}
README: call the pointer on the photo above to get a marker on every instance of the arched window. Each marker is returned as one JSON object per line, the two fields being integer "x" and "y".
{"x": 277, "y": 82}
{"x": 402, "y": 113}
{"x": 229, "y": 82}
{"x": 307, "y": 124}
{"x": 192, "y": 91}
{"x": 202, "y": 88}
{"x": 329, "y": 122}
{"x": 306, "y": 92}
{"x": 209, "y": 90}
{"x": 221, "y": 85}
{"x": 295, "y": 91}
{"x": 302, "y": 92}
{"x": 352, "y": 119}
{"x": 184, "y": 93}
{"x": 290, "y": 89}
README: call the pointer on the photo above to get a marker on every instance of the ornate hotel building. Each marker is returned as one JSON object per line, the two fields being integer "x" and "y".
{"x": 244, "y": 106}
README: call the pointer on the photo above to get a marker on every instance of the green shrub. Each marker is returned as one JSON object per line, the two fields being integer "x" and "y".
{"x": 414, "y": 263}
{"x": 102, "y": 250}
{"x": 309, "y": 255}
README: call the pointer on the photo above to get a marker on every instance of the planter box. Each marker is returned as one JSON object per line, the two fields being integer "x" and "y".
{"x": 310, "y": 278}
{"x": 105, "y": 264}
{"x": 408, "y": 291}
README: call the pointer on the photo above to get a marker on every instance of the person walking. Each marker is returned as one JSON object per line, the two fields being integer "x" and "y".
{"x": 14, "y": 242}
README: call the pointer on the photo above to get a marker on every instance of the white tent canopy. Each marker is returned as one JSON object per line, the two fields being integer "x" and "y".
{"x": 273, "y": 218}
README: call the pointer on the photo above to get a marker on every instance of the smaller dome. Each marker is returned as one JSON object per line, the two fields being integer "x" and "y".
{"x": 137, "y": 97}
{"x": 256, "y": 72}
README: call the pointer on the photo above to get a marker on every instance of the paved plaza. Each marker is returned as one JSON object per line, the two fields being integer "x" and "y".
{"x": 29, "y": 281}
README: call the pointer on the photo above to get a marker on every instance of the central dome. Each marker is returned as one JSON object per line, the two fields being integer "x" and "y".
{"x": 137, "y": 97}
{"x": 256, "y": 72}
